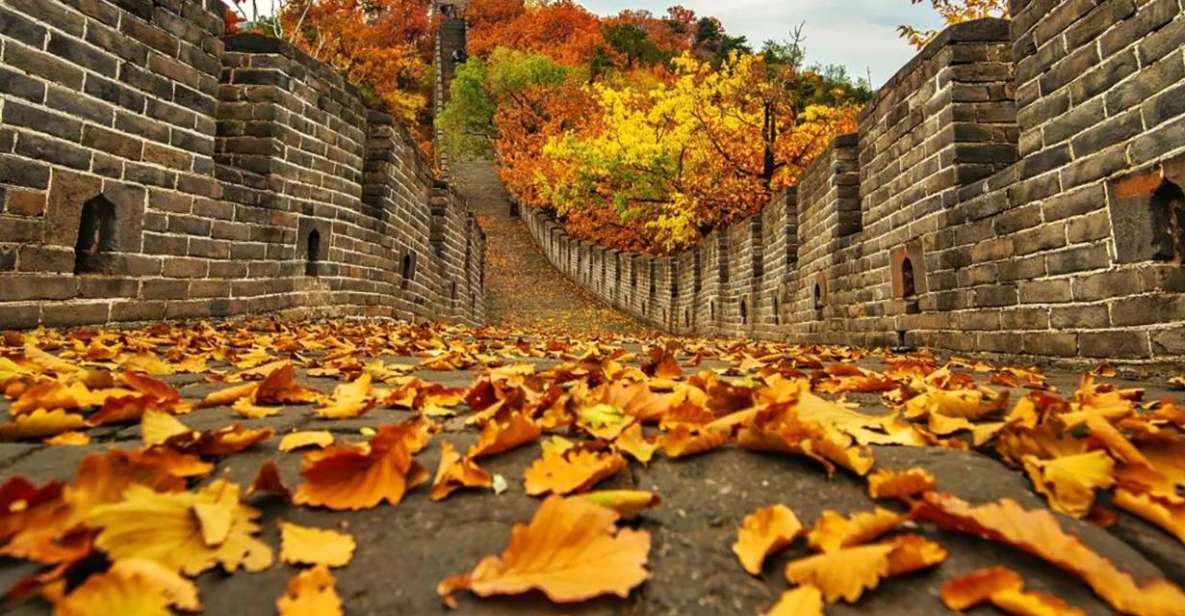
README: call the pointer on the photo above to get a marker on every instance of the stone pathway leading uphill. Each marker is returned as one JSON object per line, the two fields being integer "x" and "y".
{"x": 523, "y": 290}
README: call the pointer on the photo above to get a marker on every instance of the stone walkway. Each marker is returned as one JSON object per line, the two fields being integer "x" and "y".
{"x": 523, "y": 290}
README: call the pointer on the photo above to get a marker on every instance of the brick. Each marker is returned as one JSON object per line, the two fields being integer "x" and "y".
{"x": 54, "y": 150}
{"x": 81, "y": 107}
{"x": 1092, "y": 316}
{"x": 99, "y": 287}
{"x": 112, "y": 142}
{"x": 1114, "y": 344}
{"x": 1110, "y": 132}
{"x": 23, "y": 172}
{"x": 74, "y": 314}
{"x": 1147, "y": 310}
{"x": 43, "y": 65}
{"x": 36, "y": 119}
{"x": 1050, "y": 344}
{"x": 1045, "y": 291}
{"x": 21, "y": 86}
{"x": 24, "y": 287}
{"x": 1078, "y": 259}
{"x": 21, "y": 28}
{"x": 115, "y": 93}
{"x": 82, "y": 54}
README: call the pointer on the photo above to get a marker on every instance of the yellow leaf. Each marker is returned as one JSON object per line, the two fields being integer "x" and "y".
{"x": 355, "y": 477}
{"x": 802, "y": 601}
{"x": 1069, "y": 482}
{"x": 164, "y": 527}
{"x": 300, "y": 545}
{"x": 40, "y": 423}
{"x": 181, "y": 593}
{"x": 633, "y": 441}
{"x": 571, "y": 551}
{"x": 115, "y": 592}
{"x": 627, "y": 503}
{"x": 156, "y": 427}
{"x": 349, "y": 400}
{"x": 311, "y": 593}
{"x": 848, "y": 572}
{"x": 764, "y": 532}
{"x": 572, "y": 471}
{"x": 833, "y": 531}
{"x": 69, "y": 439}
{"x": 296, "y": 440}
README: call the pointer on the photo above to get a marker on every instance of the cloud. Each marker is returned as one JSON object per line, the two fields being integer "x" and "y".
{"x": 858, "y": 34}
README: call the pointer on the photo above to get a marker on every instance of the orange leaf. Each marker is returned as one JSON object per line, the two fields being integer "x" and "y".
{"x": 571, "y": 551}
{"x": 633, "y": 441}
{"x": 887, "y": 483}
{"x": 360, "y": 477}
{"x": 497, "y": 437}
{"x": 833, "y": 531}
{"x": 764, "y": 532}
{"x": 1037, "y": 532}
{"x": 456, "y": 472}
{"x": 686, "y": 440}
{"x": 574, "y": 470}
{"x": 301, "y": 545}
{"x": 847, "y": 573}
{"x": 971, "y": 589}
{"x": 802, "y": 601}
{"x": 311, "y": 593}
{"x": 296, "y": 440}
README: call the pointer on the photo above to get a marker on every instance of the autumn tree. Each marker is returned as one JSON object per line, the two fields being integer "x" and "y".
{"x": 382, "y": 46}
{"x": 953, "y": 12}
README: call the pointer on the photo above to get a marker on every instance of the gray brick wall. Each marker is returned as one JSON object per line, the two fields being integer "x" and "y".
{"x": 219, "y": 175}
{"x": 1027, "y": 174}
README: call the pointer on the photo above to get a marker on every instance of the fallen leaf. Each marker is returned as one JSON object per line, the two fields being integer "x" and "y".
{"x": 69, "y": 439}
{"x": 349, "y": 400}
{"x": 456, "y": 472}
{"x": 848, "y": 572}
{"x": 627, "y": 503}
{"x": 497, "y": 437}
{"x": 764, "y": 532}
{"x": 1038, "y": 532}
{"x": 297, "y": 440}
{"x": 301, "y": 545}
{"x": 40, "y": 423}
{"x": 115, "y": 592}
{"x": 165, "y": 528}
{"x": 311, "y": 593}
{"x": 833, "y": 531}
{"x": 886, "y": 483}
{"x": 156, "y": 428}
{"x": 971, "y": 589}
{"x": 267, "y": 479}
{"x": 633, "y": 441}
{"x": 802, "y": 601}
{"x": 353, "y": 477}
{"x": 685, "y": 440}
{"x": 571, "y": 471}
{"x": 1069, "y": 482}
{"x": 571, "y": 551}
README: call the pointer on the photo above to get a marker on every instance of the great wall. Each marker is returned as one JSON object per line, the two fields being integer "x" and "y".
{"x": 1015, "y": 189}
{"x": 153, "y": 168}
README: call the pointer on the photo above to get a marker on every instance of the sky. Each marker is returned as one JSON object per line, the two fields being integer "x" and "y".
{"x": 858, "y": 34}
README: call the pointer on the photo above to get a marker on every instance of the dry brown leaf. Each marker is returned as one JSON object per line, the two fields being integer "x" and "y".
{"x": 297, "y": 440}
{"x": 357, "y": 477}
{"x": 848, "y": 572}
{"x": 1037, "y": 532}
{"x": 886, "y": 483}
{"x": 311, "y": 593}
{"x": 267, "y": 479}
{"x": 115, "y": 592}
{"x": 575, "y": 470}
{"x": 633, "y": 441}
{"x": 301, "y": 545}
{"x": 1169, "y": 514}
{"x": 764, "y": 532}
{"x": 69, "y": 439}
{"x": 1021, "y": 603}
{"x": 456, "y": 472}
{"x": 801, "y": 601}
{"x": 571, "y": 551}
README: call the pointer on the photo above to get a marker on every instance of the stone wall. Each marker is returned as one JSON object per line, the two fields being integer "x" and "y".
{"x": 151, "y": 167}
{"x": 1015, "y": 189}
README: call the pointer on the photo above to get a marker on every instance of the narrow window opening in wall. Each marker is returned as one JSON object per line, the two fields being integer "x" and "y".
{"x": 698, "y": 273}
{"x": 744, "y": 312}
{"x": 453, "y": 293}
{"x": 686, "y": 317}
{"x": 777, "y": 311}
{"x": 818, "y": 299}
{"x": 712, "y": 310}
{"x": 909, "y": 287}
{"x": 408, "y": 268}
{"x": 312, "y": 254}
{"x": 1169, "y": 201}
{"x": 633, "y": 278}
{"x": 96, "y": 236}
{"x": 653, "y": 281}
{"x": 902, "y": 344}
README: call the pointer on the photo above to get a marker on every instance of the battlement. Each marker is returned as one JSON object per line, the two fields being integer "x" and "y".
{"x": 1016, "y": 189}
{"x": 151, "y": 167}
